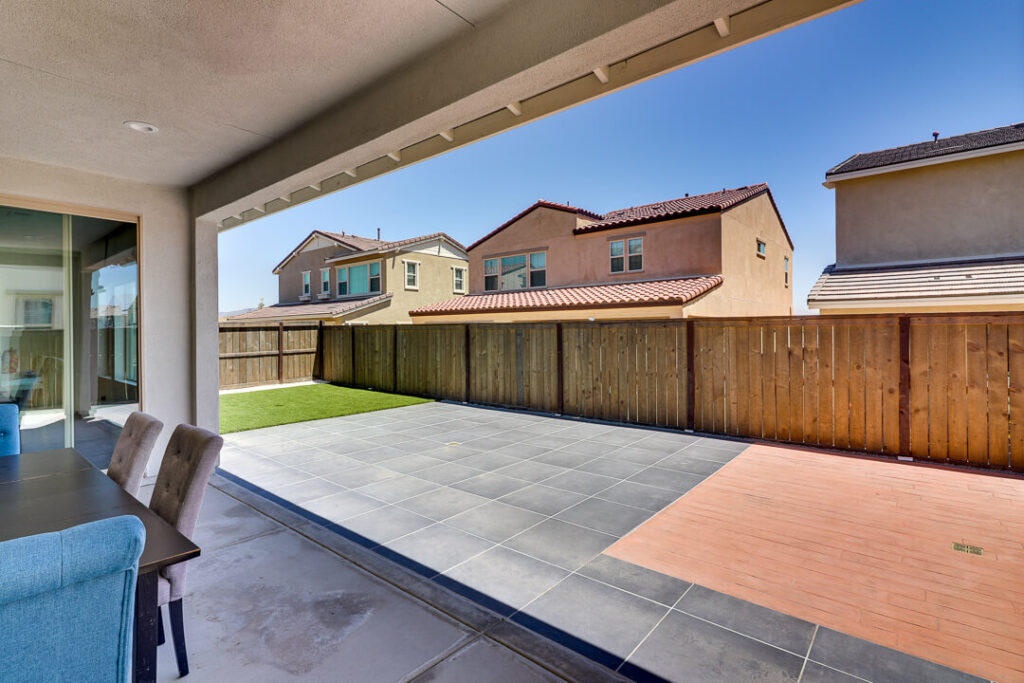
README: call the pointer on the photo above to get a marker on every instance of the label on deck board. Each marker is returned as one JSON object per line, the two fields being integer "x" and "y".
{"x": 969, "y": 549}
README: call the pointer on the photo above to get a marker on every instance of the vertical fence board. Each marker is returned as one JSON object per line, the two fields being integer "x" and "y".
{"x": 1015, "y": 360}
{"x": 956, "y": 395}
{"x": 977, "y": 392}
{"x": 998, "y": 419}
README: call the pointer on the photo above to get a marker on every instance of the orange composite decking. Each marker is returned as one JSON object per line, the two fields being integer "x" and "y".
{"x": 858, "y": 545}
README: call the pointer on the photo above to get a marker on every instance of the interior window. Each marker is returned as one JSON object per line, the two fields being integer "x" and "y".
{"x": 490, "y": 274}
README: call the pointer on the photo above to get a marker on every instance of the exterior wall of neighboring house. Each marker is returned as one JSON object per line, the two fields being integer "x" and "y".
{"x": 686, "y": 246}
{"x": 289, "y": 280}
{"x": 435, "y": 284}
{"x": 755, "y": 284}
{"x": 957, "y": 210}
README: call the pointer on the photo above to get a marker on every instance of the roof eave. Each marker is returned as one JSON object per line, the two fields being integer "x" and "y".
{"x": 832, "y": 178}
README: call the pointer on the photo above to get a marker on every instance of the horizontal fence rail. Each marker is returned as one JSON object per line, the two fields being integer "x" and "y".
{"x": 251, "y": 355}
{"x": 945, "y": 388}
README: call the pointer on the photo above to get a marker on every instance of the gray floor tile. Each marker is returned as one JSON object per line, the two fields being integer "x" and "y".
{"x": 488, "y": 461}
{"x": 604, "y": 617}
{"x": 447, "y": 473}
{"x": 418, "y": 446}
{"x": 543, "y": 499}
{"x": 452, "y": 453}
{"x": 580, "y": 482}
{"x": 495, "y": 521}
{"x": 329, "y": 465}
{"x": 556, "y": 440}
{"x": 387, "y": 523}
{"x": 619, "y": 469}
{"x": 591, "y": 449}
{"x": 561, "y": 543}
{"x": 562, "y": 458}
{"x": 684, "y": 462}
{"x": 724, "y": 444}
{"x": 489, "y": 443}
{"x": 876, "y": 663}
{"x": 623, "y": 436}
{"x": 304, "y": 491}
{"x": 635, "y": 579}
{"x": 340, "y": 506}
{"x": 442, "y": 503}
{"x": 361, "y": 475}
{"x": 680, "y": 482}
{"x": 523, "y": 450}
{"x": 640, "y": 456}
{"x": 297, "y": 456}
{"x": 683, "y": 648}
{"x": 603, "y": 515}
{"x": 376, "y": 455}
{"x": 507, "y": 576}
{"x": 816, "y": 673}
{"x": 490, "y": 485}
{"x": 774, "y": 628}
{"x": 501, "y": 665}
{"x": 531, "y": 470}
{"x": 639, "y": 495}
{"x": 277, "y": 478}
{"x": 399, "y": 488}
{"x": 665, "y": 442}
{"x": 439, "y": 547}
{"x": 705, "y": 453}
{"x": 413, "y": 462}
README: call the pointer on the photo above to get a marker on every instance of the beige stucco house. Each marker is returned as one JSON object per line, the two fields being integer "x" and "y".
{"x": 724, "y": 253}
{"x": 339, "y": 278}
{"x": 929, "y": 227}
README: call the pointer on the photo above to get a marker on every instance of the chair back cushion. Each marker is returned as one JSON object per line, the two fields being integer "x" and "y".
{"x": 10, "y": 437}
{"x": 67, "y": 602}
{"x": 189, "y": 460}
{"x": 132, "y": 451}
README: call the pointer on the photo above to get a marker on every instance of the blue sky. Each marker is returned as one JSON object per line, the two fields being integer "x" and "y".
{"x": 781, "y": 110}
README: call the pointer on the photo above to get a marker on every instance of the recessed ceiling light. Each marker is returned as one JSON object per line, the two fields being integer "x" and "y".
{"x": 141, "y": 126}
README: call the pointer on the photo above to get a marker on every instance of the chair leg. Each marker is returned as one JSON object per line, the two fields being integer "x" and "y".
{"x": 178, "y": 633}
{"x": 160, "y": 639}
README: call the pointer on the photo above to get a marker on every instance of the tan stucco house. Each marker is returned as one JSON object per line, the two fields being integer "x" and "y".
{"x": 340, "y": 278}
{"x": 929, "y": 227}
{"x": 718, "y": 254}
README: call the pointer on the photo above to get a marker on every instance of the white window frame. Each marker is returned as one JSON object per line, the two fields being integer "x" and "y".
{"x": 529, "y": 270}
{"x": 456, "y": 271}
{"x": 307, "y": 286}
{"x": 325, "y": 279}
{"x": 369, "y": 279}
{"x": 416, "y": 274}
{"x": 624, "y": 241}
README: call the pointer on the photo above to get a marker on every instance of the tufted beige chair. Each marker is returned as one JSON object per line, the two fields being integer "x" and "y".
{"x": 132, "y": 451}
{"x": 188, "y": 462}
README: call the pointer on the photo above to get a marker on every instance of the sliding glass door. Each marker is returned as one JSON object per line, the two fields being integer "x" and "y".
{"x": 68, "y": 328}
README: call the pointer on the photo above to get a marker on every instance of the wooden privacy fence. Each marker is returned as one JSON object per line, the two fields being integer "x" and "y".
{"x": 267, "y": 354}
{"x": 938, "y": 387}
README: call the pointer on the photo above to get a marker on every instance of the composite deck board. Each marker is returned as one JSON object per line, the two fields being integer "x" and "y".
{"x": 859, "y": 545}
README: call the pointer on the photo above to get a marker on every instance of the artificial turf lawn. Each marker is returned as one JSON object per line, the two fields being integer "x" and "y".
{"x": 269, "y": 407}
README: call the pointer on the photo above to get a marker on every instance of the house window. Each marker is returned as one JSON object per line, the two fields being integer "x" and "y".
{"x": 305, "y": 283}
{"x": 459, "y": 280}
{"x": 342, "y": 281}
{"x": 513, "y": 272}
{"x": 785, "y": 267}
{"x": 361, "y": 279}
{"x": 490, "y": 274}
{"x": 325, "y": 282}
{"x": 412, "y": 275}
{"x": 626, "y": 255}
{"x": 538, "y": 269}
{"x": 762, "y": 248}
{"x": 35, "y": 311}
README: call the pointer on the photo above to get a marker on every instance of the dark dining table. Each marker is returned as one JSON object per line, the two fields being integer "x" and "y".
{"x": 53, "y": 490}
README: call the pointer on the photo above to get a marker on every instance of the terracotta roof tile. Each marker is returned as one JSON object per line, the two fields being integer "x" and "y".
{"x": 675, "y": 291}
{"x": 320, "y": 309}
{"x": 954, "y": 144}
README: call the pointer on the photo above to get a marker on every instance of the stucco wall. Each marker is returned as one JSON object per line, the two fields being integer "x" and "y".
{"x": 961, "y": 209}
{"x": 165, "y": 275}
{"x": 688, "y": 246}
{"x": 435, "y": 285}
{"x": 289, "y": 280}
{"x": 753, "y": 285}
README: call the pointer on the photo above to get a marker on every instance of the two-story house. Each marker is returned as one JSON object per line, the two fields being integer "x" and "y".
{"x": 724, "y": 253}
{"x": 339, "y": 277}
{"x": 929, "y": 227}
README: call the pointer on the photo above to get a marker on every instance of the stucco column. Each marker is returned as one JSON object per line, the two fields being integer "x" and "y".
{"x": 206, "y": 373}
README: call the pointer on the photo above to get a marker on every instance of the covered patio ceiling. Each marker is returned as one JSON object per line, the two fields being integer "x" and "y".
{"x": 267, "y": 104}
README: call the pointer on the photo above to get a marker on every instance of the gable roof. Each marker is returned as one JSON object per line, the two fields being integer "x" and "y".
{"x": 932, "y": 149}
{"x": 382, "y": 247}
{"x": 986, "y": 277}
{"x": 539, "y": 204}
{"x": 362, "y": 245}
{"x": 676, "y": 291}
{"x": 710, "y": 202}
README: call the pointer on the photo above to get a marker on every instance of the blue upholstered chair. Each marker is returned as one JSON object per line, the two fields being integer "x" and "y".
{"x": 10, "y": 437}
{"x": 67, "y": 602}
